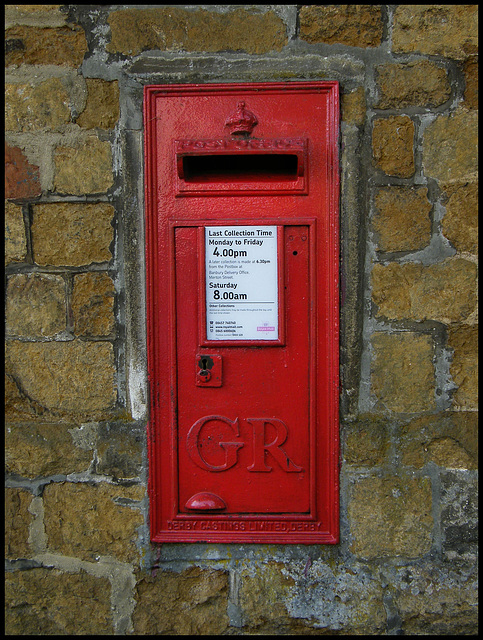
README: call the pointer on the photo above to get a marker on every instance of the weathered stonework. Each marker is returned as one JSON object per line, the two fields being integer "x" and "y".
{"x": 460, "y": 222}
{"x": 18, "y": 406}
{"x": 354, "y": 107}
{"x": 403, "y": 372}
{"x": 444, "y": 30}
{"x": 174, "y": 29}
{"x": 72, "y": 234}
{"x": 65, "y": 46}
{"x": 449, "y": 440}
{"x": 413, "y": 84}
{"x": 119, "y": 450}
{"x": 464, "y": 367}
{"x": 35, "y": 449}
{"x": 22, "y": 179}
{"x": 84, "y": 169}
{"x": 17, "y": 521}
{"x": 450, "y": 602}
{"x": 392, "y": 143}
{"x": 15, "y": 239}
{"x": 93, "y": 304}
{"x": 367, "y": 441}
{"x": 191, "y": 603}
{"x": 391, "y": 517}
{"x": 102, "y": 108}
{"x": 50, "y": 602}
{"x": 271, "y": 586}
{"x": 445, "y": 291}
{"x": 36, "y": 305}
{"x": 401, "y": 219}
{"x": 309, "y": 598}
{"x": 324, "y": 597}
{"x": 459, "y": 516}
{"x": 450, "y": 150}
{"x": 471, "y": 83}
{"x": 351, "y": 25}
{"x": 45, "y": 15}
{"x": 75, "y": 377}
{"x": 45, "y": 106}
{"x": 74, "y": 511}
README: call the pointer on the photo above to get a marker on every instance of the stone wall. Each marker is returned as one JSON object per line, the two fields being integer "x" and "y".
{"x": 79, "y": 559}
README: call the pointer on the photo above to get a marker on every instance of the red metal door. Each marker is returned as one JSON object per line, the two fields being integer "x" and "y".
{"x": 242, "y": 290}
{"x": 261, "y": 411}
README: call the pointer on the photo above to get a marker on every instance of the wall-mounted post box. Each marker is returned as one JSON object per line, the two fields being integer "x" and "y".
{"x": 242, "y": 309}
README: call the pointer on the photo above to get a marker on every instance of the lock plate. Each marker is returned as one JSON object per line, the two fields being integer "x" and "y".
{"x": 208, "y": 370}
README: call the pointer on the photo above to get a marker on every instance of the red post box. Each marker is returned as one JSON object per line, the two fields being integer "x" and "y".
{"x": 242, "y": 311}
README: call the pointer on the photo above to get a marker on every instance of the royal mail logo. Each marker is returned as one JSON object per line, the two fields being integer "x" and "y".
{"x": 266, "y": 327}
{"x": 230, "y": 443}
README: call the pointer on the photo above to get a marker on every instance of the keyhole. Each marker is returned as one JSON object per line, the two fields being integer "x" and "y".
{"x": 205, "y": 362}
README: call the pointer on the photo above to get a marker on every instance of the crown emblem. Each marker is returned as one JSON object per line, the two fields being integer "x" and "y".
{"x": 242, "y": 120}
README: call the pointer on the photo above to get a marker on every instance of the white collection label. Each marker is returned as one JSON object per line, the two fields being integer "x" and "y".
{"x": 241, "y": 283}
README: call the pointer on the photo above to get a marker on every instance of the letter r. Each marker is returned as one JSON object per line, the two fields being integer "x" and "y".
{"x": 275, "y": 447}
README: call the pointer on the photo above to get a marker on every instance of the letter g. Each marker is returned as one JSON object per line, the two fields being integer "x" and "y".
{"x": 230, "y": 448}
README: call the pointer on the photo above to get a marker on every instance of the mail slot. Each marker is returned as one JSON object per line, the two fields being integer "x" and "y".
{"x": 242, "y": 297}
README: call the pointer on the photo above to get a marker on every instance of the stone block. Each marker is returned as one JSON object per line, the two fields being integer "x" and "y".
{"x": 34, "y": 449}
{"x": 193, "y": 602}
{"x": 17, "y": 523}
{"x": 119, "y": 450}
{"x": 15, "y": 238}
{"x": 18, "y": 406}
{"x": 459, "y": 516}
{"x": 89, "y": 521}
{"x": 36, "y": 305}
{"x": 74, "y": 377}
{"x": 437, "y": 600}
{"x": 22, "y": 179}
{"x": 367, "y": 441}
{"x": 102, "y": 106}
{"x": 449, "y": 30}
{"x": 464, "y": 366}
{"x": 331, "y": 598}
{"x": 403, "y": 372}
{"x": 49, "y": 602}
{"x": 72, "y": 234}
{"x": 450, "y": 147}
{"x": 35, "y": 15}
{"x": 448, "y": 439}
{"x": 445, "y": 291}
{"x": 460, "y": 222}
{"x": 64, "y": 46}
{"x": 354, "y": 25}
{"x": 354, "y": 107}
{"x": 85, "y": 169}
{"x": 44, "y": 107}
{"x": 176, "y": 29}
{"x": 263, "y": 594}
{"x": 93, "y": 304}
{"x": 471, "y": 83}
{"x": 392, "y": 144}
{"x": 418, "y": 84}
{"x": 391, "y": 517}
{"x": 309, "y": 598}
{"x": 402, "y": 221}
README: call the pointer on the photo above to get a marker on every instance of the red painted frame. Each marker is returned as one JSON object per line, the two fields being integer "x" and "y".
{"x": 167, "y": 524}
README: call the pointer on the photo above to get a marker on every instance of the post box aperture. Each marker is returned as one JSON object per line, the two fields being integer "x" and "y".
{"x": 242, "y": 311}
